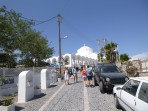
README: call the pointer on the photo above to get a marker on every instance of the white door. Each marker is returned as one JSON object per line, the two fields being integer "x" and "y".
{"x": 128, "y": 95}
{"x": 127, "y": 101}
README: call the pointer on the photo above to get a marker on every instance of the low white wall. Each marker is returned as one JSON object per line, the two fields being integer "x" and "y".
{"x": 9, "y": 89}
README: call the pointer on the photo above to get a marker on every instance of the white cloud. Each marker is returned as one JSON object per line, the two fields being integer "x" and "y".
{"x": 141, "y": 56}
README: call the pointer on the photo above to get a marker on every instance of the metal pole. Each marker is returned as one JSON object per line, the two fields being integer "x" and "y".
{"x": 59, "y": 20}
{"x": 99, "y": 47}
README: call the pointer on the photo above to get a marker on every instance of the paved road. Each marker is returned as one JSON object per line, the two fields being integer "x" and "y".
{"x": 73, "y": 97}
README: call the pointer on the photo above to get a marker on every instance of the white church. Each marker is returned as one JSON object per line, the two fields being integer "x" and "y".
{"x": 84, "y": 56}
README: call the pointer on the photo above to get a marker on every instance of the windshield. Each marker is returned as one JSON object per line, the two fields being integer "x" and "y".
{"x": 110, "y": 69}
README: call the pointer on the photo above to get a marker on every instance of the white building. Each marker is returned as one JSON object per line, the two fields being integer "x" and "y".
{"x": 84, "y": 56}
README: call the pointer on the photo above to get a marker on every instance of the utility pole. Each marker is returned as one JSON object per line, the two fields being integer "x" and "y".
{"x": 59, "y": 21}
{"x": 99, "y": 49}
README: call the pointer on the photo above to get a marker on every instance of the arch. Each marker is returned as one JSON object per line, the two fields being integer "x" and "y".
{"x": 66, "y": 60}
{"x": 54, "y": 60}
{"x": 78, "y": 58}
{"x": 48, "y": 61}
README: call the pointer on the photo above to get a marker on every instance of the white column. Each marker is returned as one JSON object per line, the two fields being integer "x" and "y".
{"x": 45, "y": 81}
{"x": 25, "y": 86}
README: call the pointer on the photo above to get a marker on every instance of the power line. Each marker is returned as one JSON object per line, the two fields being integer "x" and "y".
{"x": 45, "y": 21}
{"x": 31, "y": 19}
{"x": 41, "y": 22}
{"x": 77, "y": 31}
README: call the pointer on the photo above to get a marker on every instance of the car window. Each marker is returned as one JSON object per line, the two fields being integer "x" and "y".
{"x": 110, "y": 69}
{"x": 143, "y": 94}
{"x": 131, "y": 87}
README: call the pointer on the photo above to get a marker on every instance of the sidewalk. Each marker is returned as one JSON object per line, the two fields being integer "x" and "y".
{"x": 38, "y": 101}
{"x": 58, "y": 97}
{"x": 70, "y": 98}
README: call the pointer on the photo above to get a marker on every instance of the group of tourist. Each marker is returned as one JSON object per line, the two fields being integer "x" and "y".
{"x": 86, "y": 72}
{"x": 68, "y": 72}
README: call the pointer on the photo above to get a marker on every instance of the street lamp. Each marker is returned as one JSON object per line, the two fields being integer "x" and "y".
{"x": 65, "y": 37}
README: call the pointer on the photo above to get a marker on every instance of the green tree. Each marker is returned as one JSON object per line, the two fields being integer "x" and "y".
{"x": 12, "y": 27}
{"x": 35, "y": 49}
{"x": 17, "y": 34}
{"x": 124, "y": 58}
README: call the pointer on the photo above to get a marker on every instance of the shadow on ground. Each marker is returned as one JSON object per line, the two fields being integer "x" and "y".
{"x": 52, "y": 86}
{"x": 18, "y": 108}
{"x": 38, "y": 96}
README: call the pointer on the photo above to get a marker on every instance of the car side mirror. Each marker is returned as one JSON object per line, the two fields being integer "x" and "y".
{"x": 119, "y": 88}
{"x": 95, "y": 71}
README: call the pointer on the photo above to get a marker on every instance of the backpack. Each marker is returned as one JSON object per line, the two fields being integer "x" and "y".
{"x": 73, "y": 70}
{"x": 90, "y": 71}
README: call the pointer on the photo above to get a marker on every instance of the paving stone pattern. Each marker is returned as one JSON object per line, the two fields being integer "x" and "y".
{"x": 38, "y": 101}
{"x": 100, "y": 102}
{"x": 70, "y": 98}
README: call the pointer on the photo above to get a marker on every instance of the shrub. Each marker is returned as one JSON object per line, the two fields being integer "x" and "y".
{"x": 132, "y": 71}
{"x": 6, "y": 102}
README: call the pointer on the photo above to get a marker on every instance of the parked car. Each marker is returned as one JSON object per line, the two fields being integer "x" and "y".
{"x": 133, "y": 95}
{"x": 107, "y": 75}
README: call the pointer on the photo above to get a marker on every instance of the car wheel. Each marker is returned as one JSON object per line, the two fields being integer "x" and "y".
{"x": 117, "y": 105}
{"x": 101, "y": 87}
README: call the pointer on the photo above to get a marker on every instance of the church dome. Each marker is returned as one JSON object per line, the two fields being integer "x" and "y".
{"x": 85, "y": 51}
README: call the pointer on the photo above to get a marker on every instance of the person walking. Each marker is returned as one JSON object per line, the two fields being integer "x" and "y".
{"x": 66, "y": 76}
{"x": 89, "y": 76}
{"x": 77, "y": 69}
{"x": 84, "y": 76}
{"x": 74, "y": 72}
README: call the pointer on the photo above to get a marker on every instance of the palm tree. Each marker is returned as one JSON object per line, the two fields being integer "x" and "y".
{"x": 109, "y": 50}
{"x": 100, "y": 56}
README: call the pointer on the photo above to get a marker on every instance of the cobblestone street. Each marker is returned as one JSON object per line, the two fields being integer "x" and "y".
{"x": 73, "y": 97}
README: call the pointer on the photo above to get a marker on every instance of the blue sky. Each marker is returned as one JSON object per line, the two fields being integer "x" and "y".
{"x": 124, "y": 22}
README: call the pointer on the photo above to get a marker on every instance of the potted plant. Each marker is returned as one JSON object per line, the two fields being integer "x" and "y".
{"x": 7, "y": 105}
